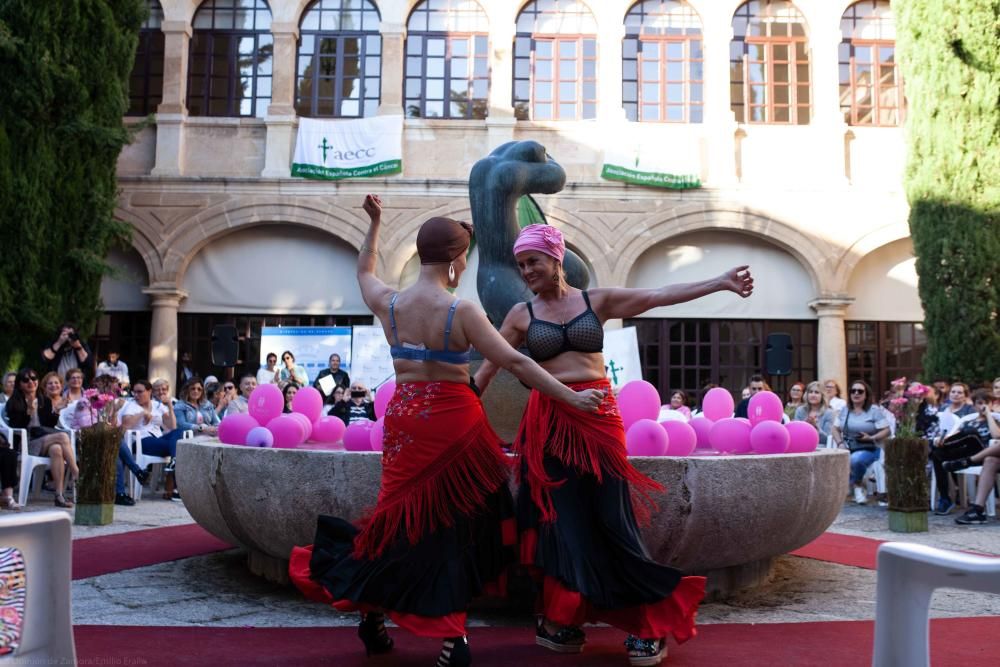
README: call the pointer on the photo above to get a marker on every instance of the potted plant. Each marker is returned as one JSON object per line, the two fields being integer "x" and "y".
{"x": 98, "y": 444}
{"x": 906, "y": 463}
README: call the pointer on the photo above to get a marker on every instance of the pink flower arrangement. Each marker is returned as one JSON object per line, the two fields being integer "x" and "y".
{"x": 905, "y": 408}
{"x": 95, "y": 408}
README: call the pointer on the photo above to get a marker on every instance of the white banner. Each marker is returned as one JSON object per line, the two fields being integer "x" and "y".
{"x": 621, "y": 356}
{"x": 631, "y": 157}
{"x": 336, "y": 149}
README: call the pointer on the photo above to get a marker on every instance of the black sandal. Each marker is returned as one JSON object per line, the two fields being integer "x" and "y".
{"x": 454, "y": 653}
{"x": 371, "y": 631}
{"x": 645, "y": 652}
{"x": 568, "y": 639}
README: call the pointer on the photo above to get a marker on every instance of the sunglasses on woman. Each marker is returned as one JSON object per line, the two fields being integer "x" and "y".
{"x": 30, "y": 378}
{"x": 857, "y": 391}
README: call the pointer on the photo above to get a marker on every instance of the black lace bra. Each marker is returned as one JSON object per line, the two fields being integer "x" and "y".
{"x": 583, "y": 333}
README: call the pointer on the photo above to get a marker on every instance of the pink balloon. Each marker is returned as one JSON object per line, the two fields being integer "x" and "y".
{"x": 731, "y": 436}
{"x": 266, "y": 403}
{"x": 769, "y": 437}
{"x": 702, "y": 427}
{"x": 328, "y": 430}
{"x": 745, "y": 421}
{"x": 682, "y": 438}
{"x": 309, "y": 402}
{"x": 259, "y": 436}
{"x": 803, "y": 437}
{"x": 357, "y": 437}
{"x": 717, "y": 404}
{"x": 377, "y": 434}
{"x": 307, "y": 426}
{"x": 233, "y": 428}
{"x": 638, "y": 400}
{"x": 765, "y": 406}
{"x": 646, "y": 438}
{"x": 287, "y": 431}
{"x": 382, "y": 397}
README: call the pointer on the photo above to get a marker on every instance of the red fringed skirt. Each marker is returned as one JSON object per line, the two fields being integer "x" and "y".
{"x": 576, "y": 510}
{"x": 442, "y": 531}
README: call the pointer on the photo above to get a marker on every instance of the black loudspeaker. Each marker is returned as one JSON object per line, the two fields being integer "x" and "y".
{"x": 225, "y": 345}
{"x": 778, "y": 354}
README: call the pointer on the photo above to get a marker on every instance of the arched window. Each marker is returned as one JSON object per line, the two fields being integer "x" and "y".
{"x": 145, "y": 84}
{"x": 340, "y": 60}
{"x": 447, "y": 60}
{"x": 230, "y": 63}
{"x": 662, "y": 63}
{"x": 871, "y": 90}
{"x": 769, "y": 64}
{"x": 555, "y": 61}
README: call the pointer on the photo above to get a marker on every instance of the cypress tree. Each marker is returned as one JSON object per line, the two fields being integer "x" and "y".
{"x": 64, "y": 67}
{"x": 950, "y": 54}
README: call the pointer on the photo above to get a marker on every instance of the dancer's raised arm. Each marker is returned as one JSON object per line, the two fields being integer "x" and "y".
{"x": 373, "y": 291}
{"x": 620, "y": 302}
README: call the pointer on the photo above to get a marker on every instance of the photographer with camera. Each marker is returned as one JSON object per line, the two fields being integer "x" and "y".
{"x": 356, "y": 407}
{"x": 66, "y": 352}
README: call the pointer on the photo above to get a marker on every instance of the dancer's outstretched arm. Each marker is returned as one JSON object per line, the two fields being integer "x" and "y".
{"x": 375, "y": 292}
{"x": 498, "y": 352}
{"x": 620, "y": 303}
{"x": 512, "y": 330}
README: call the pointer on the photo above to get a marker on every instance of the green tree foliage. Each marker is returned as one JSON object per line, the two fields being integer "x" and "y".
{"x": 64, "y": 67}
{"x": 950, "y": 54}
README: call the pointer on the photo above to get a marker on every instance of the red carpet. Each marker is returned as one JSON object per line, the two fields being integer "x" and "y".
{"x": 843, "y": 549}
{"x": 94, "y": 556}
{"x": 955, "y": 641}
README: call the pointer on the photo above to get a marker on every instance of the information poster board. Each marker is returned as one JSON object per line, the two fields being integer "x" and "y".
{"x": 621, "y": 356}
{"x": 312, "y": 346}
{"x": 370, "y": 352}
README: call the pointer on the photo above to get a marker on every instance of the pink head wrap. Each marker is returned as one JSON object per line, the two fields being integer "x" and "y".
{"x": 543, "y": 238}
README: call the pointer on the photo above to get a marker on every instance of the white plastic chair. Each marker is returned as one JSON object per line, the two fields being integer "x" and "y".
{"x": 876, "y": 473}
{"x": 971, "y": 477}
{"x": 29, "y": 463}
{"x": 133, "y": 439}
{"x": 44, "y": 541}
{"x": 907, "y": 575}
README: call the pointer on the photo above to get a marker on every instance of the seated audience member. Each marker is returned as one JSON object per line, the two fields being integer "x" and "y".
{"x": 290, "y": 372}
{"x": 943, "y": 387}
{"x": 52, "y": 386}
{"x": 958, "y": 400}
{"x": 8, "y": 474}
{"x": 195, "y": 412}
{"x": 928, "y": 421}
{"x": 29, "y": 408}
{"x": 185, "y": 369}
{"x": 9, "y": 381}
{"x": 815, "y": 411}
{"x": 74, "y": 386}
{"x": 989, "y": 458}
{"x": 995, "y": 398}
{"x": 266, "y": 374}
{"x": 700, "y": 410}
{"x": 356, "y": 407}
{"x": 757, "y": 384}
{"x": 116, "y": 367}
{"x": 861, "y": 427}
{"x": 796, "y": 394}
{"x": 833, "y": 398}
{"x": 897, "y": 390}
{"x": 678, "y": 402}
{"x": 339, "y": 377}
{"x": 158, "y": 427}
{"x": 234, "y": 404}
{"x": 212, "y": 390}
{"x": 964, "y": 446}
{"x": 66, "y": 351}
{"x": 289, "y": 391}
{"x": 745, "y": 393}
{"x": 161, "y": 391}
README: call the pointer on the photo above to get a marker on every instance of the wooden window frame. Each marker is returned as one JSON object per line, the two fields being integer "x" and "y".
{"x": 477, "y": 107}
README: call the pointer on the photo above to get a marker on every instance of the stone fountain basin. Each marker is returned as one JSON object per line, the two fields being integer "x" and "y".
{"x": 723, "y": 516}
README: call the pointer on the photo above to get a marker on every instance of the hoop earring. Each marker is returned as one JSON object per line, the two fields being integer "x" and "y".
{"x": 451, "y": 272}
{"x": 555, "y": 277}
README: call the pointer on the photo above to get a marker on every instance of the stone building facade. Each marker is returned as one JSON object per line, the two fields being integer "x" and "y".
{"x": 790, "y": 114}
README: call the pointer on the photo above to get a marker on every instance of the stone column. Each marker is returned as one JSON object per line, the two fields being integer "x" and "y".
{"x": 831, "y": 340}
{"x": 163, "y": 332}
{"x": 609, "y": 70}
{"x": 172, "y": 112}
{"x": 500, "y": 121}
{"x": 719, "y": 125}
{"x": 393, "y": 55}
{"x": 281, "y": 112}
{"x": 827, "y": 121}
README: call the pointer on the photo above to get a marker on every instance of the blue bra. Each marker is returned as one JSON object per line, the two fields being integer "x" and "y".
{"x": 443, "y": 355}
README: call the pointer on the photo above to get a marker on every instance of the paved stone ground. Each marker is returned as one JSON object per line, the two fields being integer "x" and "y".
{"x": 218, "y": 590}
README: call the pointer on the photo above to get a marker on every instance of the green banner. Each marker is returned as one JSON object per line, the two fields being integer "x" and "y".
{"x": 335, "y": 174}
{"x": 613, "y": 172}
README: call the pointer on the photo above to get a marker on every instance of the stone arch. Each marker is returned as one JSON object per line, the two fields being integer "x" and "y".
{"x": 179, "y": 248}
{"x": 880, "y": 283}
{"x": 586, "y": 240}
{"x": 813, "y": 256}
{"x": 592, "y": 5}
{"x": 845, "y": 263}
{"x": 143, "y": 240}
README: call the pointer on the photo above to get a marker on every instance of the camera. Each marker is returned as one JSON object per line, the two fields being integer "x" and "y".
{"x": 73, "y": 337}
{"x": 358, "y": 394}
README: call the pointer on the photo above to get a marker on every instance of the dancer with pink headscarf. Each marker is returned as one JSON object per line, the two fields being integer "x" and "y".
{"x": 579, "y": 496}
